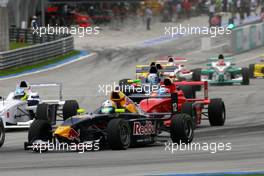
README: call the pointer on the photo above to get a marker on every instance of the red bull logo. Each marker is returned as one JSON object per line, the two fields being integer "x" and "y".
{"x": 146, "y": 129}
{"x": 73, "y": 134}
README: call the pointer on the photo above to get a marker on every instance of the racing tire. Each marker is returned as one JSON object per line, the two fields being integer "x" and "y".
{"x": 216, "y": 112}
{"x": 196, "y": 76}
{"x": 118, "y": 134}
{"x": 2, "y": 134}
{"x": 245, "y": 76}
{"x": 187, "y": 108}
{"x": 251, "y": 70}
{"x": 39, "y": 130}
{"x": 42, "y": 112}
{"x": 182, "y": 129}
{"x": 69, "y": 109}
{"x": 188, "y": 91}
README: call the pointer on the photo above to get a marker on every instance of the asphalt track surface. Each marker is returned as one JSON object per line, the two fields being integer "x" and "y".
{"x": 244, "y": 127}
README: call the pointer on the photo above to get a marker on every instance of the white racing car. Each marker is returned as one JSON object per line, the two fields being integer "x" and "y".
{"x": 23, "y": 105}
{"x": 175, "y": 68}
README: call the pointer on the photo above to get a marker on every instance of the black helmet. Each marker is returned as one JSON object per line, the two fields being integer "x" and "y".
{"x": 221, "y": 56}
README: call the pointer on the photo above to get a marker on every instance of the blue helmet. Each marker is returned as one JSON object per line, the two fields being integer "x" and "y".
{"x": 162, "y": 91}
{"x": 19, "y": 92}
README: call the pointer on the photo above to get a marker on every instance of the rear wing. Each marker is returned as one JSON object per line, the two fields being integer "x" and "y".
{"x": 165, "y": 68}
{"x": 175, "y": 59}
{"x": 214, "y": 59}
{"x": 59, "y": 85}
{"x": 203, "y": 84}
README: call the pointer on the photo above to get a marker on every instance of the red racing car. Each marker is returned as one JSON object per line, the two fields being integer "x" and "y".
{"x": 214, "y": 109}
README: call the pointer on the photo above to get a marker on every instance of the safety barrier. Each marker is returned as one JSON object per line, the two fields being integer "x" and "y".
{"x": 35, "y": 53}
{"x": 247, "y": 38}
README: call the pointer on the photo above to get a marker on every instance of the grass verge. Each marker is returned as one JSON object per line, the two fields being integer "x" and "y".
{"x": 16, "y": 45}
{"x": 53, "y": 60}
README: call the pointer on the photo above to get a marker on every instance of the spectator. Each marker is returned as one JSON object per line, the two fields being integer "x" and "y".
{"x": 148, "y": 17}
{"x": 179, "y": 10}
{"x": 34, "y": 22}
{"x": 218, "y": 5}
{"x": 225, "y": 3}
{"x": 211, "y": 11}
{"x": 254, "y": 5}
{"x": 187, "y": 8}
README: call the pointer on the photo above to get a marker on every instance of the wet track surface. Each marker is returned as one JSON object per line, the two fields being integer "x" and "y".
{"x": 244, "y": 127}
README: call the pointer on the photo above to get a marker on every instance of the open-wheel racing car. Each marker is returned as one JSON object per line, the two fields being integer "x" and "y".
{"x": 213, "y": 109}
{"x": 257, "y": 70}
{"x": 19, "y": 109}
{"x": 119, "y": 123}
{"x": 169, "y": 66}
{"x": 224, "y": 72}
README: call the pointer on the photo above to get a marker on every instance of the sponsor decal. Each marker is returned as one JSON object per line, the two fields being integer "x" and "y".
{"x": 146, "y": 129}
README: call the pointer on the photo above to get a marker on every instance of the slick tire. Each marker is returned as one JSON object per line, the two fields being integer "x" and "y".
{"x": 251, "y": 70}
{"x": 118, "y": 134}
{"x": 69, "y": 109}
{"x": 245, "y": 76}
{"x": 2, "y": 134}
{"x": 197, "y": 77}
{"x": 42, "y": 112}
{"x": 187, "y": 108}
{"x": 181, "y": 129}
{"x": 39, "y": 130}
{"x": 188, "y": 91}
{"x": 216, "y": 112}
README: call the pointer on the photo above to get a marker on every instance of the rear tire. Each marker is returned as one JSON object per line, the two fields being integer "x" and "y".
{"x": 182, "y": 129}
{"x": 42, "y": 112}
{"x": 188, "y": 91}
{"x": 2, "y": 134}
{"x": 70, "y": 109}
{"x": 197, "y": 77}
{"x": 245, "y": 76}
{"x": 118, "y": 134}
{"x": 216, "y": 112}
{"x": 187, "y": 108}
{"x": 40, "y": 130}
{"x": 251, "y": 70}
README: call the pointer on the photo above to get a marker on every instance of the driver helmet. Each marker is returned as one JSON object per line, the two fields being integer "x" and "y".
{"x": 153, "y": 79}
{"x": 162, "y": 91}
{"x": 19, "y": 93}
{"x": 170, "y": 59}
{"x": 221, "y": 57}
{"x": 107, "y": 107}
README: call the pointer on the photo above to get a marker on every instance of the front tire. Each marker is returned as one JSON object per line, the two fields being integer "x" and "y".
{"x": 118, "y": 134}
{"x": 245, "y": 76}
{"x": 2, "y": 134}
{"x": 70, "y": 109}
{"x": 42, "y": 112}
{"x": 251, "y": 70}
{"x": 187, "y": 108}
{"x": 196, "y": 76}
{"x": 188, "y": 91}
{"x": 216, "y": 112}
{"x": 182, "y": 129}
